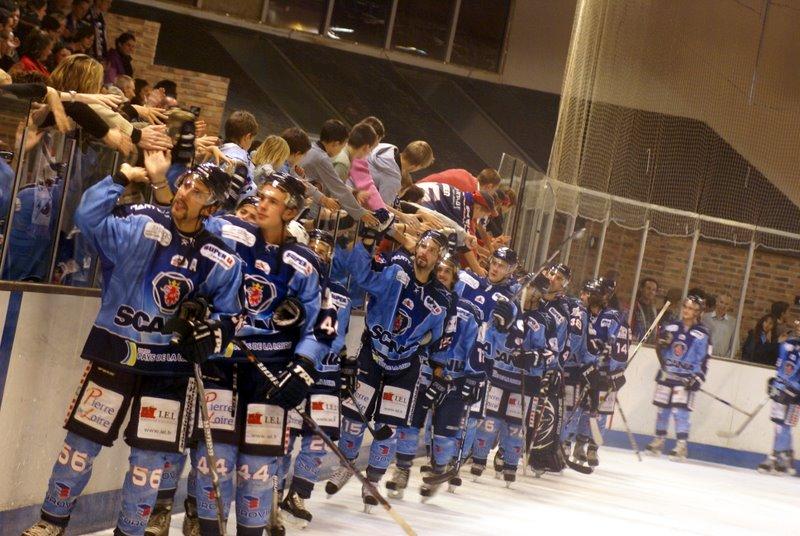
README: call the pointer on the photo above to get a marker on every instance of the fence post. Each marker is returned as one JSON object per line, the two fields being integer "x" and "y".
{"x": 636, "y": 277}
{"x": 602, "y": 243}
{"x": 692, "y": 252}
{"x": 748, "y": 266}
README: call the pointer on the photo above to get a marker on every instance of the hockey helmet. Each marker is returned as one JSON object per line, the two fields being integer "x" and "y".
{"x": 321, "y": 242}
{"x": 292, "y": 186}
{"x": 297, "y": 231}
{"x": 439, "y": 238}
{"x": 215, "y": 179}
{"x": 506, "y": 254}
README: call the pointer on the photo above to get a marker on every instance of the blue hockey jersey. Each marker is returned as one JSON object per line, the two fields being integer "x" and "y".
{"x": 404, "y": 316}
{"x": 271, "y": 273}
{"x": 787, "y": 368}
{"x": 457, "y": 349}
{"x": 535, "y": 331}
{"x": 685, "y": 355}
{"x": 609, "y": 331}
{"x": 448, "y": 201}
{"x": 149, "y": 268}
{"x": 576, "y": 354}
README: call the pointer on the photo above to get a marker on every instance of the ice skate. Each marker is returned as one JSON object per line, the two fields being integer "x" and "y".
{"x": 579, "y": 452}
{"x": 655, "y": 446}
{"x": 191, "y": 527}
{"x": 295, "y": 506}
{"x": 425, "y": 469}
{"x": 454, "y": 483}
{"x": 591, "y": 456}
{"x": 509, "y": 476}
{"x": 680, "y": 452}
{"x": 369, "y": 499}
{"x": 158, "y": 524}
{"x": 276, "y": 530}
{"x": 476, "y": 470}
{"x": 398, "y": 483}
{"x": 497, "y": 461}
{"x": 768, "y": 465}
{"x": 427, "y": 491}
{"x": 338, "y": 479}
{"x": 44, "y": 528}
{"x": 784, "y": 463}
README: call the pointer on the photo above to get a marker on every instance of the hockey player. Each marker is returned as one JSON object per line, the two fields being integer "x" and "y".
{"x": 323, "y": 397}
{"x": 682, "y": 348}
{"x": 282, "y": 300}
{"x": 784, "y": 390}
{"x": 484, "y": 292}
{"x": 154, "y": 262}
{"x": 450, "y": 364}
{"x": 607, "y": 353}
{"x": 406, "y": 314}
{"x": 573, "y": 365}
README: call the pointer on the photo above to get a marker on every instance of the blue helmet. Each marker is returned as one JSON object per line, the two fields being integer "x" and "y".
{"x": 506, "y": 254}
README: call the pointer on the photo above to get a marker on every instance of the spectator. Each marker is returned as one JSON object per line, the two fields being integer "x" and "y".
{"x": 759, "y": 346}
{"x": 96, "y": 19}
{"x": 377, "y": 126}
{"x": 60, "y": 7}
{"x": 80, "y": 8}
{"x": 351, "y": 164}
{"x": 241, "y": 129}
{"x": 645, "y": 312}
{"x": 319, "y": 168}
{"x": 8, "y": 41}
{"x": 141, "y": 90}
{"x": 59, "y": 53}
{"x": 391, "y": 169}
{"x": 780, "y": 314}
{"x": 487, "y": 180}
{"x": 299, "y": 145}
{"x": 721, "y": 325}
{"x": 34, "y": 52}
{"x": 673, "y": 314}
{"x": 126, "y": 85}
{"x": 31, "y": 18}
{"x": 118, "y": 60}
{"x": 269, "y": 157}
{"x": 54, "y": 26}
{"x": 506, "y": 200}
{"x": 164, "y": 95}
{"x": 82, "y": 41}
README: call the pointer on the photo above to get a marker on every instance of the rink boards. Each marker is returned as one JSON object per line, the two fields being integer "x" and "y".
{"x": 42, "y": 336}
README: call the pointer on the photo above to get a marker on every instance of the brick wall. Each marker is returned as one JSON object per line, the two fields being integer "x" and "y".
{"x": 718, "y": 266}
{"x": 207, "y": 91}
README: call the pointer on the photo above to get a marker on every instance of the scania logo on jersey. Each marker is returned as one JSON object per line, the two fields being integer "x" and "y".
{"x": 298, "y": 262}
{"x": 258, "y": 293}
{"x": 401, "y": 323}
{"x": 385, "y": 337}
{"x": 169, "y": 289}
{"x": 179, "y": 261}
{"x": 138, "y": 320}
{"x": 679, "y": 349}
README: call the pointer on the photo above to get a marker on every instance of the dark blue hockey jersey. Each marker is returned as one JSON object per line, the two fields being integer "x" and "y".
{"x": 685, "y": 355}
{"x": 610, "y": 335}
{"x": 787, "y": 368}
{"x": 149, "y": 268}
{"x": 457, "y": 349}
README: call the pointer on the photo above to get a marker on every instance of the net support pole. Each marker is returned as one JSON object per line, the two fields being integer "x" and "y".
{"x": 387, "y": 44}
{"x": 690, "y": 265}
{"x": 602, "y": 242}
{"x": 750, "y": 253}
{"x": 638, "y": 273}
{"x": 544, "y": 239}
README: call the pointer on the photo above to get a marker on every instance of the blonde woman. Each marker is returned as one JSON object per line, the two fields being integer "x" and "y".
{"x": 270, "y": 156}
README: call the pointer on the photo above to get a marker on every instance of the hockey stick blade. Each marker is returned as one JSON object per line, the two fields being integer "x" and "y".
{"x": 441, "y": 478}
{"x": 583, "y": 469}
{"x": 736, "y": 433}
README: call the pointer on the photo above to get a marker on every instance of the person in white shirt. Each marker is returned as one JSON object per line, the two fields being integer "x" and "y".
{"x": 721, "y": 325}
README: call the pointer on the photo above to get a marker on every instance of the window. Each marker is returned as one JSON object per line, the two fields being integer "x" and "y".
{"x": 300, "y": 15}
{"x": 242, "y": 9}
{"x": 480, "y": 33}
{"x": 422, "y": 27}
{"x": 361, "y": 21}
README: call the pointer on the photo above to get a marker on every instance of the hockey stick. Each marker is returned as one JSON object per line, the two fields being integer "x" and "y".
{"x": 434, "y": 480}
{"x": 331, "y": 444}
{"x": 628, "y": 431}
{"x": 212, "y": 458}
{"x": 748, "y": 420}
{"x": 576, "y": 410}
{"x": 525, "y": 449}
{"x": 275, "y": 528}
{"x": 381, "y": 434}
{"x": 729, "y": 404}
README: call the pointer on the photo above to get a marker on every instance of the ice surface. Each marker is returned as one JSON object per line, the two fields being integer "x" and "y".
{"x": 623, "y": 496}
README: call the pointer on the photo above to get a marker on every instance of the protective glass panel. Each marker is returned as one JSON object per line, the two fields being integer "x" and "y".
{"x": 361, "y": 22}
{"x": 242, "y": 9}
{"x": 480, "y": 33}
{"x": 300, "y": 15}
{"x": 422, "y": 27}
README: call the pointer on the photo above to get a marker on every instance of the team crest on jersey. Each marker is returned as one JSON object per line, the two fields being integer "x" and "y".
{"x": 788, "y": 368}
{"x": 401, "y": 322}
{"x": 169, "y": 289}
{"x": 679, "y": 349}
{"x": 258, "y": 293}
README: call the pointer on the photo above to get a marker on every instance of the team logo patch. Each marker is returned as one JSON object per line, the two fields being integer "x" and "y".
{"x": 144, "y": 510}
{"x": 679, "y": 349}
{"x": 401, "y": 322}
{"x": 62, "y": 490}
{"x": 251, "y": 502}
{"x": 169, "y": 289}
{"x": 258, "y": 293}
{"x": 209, "y": 492}
{"x": 480, "y": 299}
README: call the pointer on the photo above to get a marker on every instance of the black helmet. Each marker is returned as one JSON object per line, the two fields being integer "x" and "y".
{"x": 594, "y": 286}
{"x": 450, "y": 262}
{"x": 506, "y": 254}
{"x": 562, "y": 269}
{"x": 318, "y": 236}
{"x": 249, "y": 200}
{"x": 294, "y": 188}
{"x": 437, "y": 236}
{"x": 699, "y": 299}
{"x": 214, "y": 178}
{"x": 609, "y": 287}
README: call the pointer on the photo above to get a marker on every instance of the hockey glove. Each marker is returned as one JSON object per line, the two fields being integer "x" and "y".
{"x": 373, "y": 235}
{"x": 526, "y": 360}
{"x": 289, "y": 313}
{"x": 693, "y": 383}
{"x": 204, "y": 340}
{"x": 348, "y": 373}
{"x": 503, "y": 315}
{"x": 664, "y": 340}
{"x": 435, "y": 393}
{"x": 595, "y": 346}
{"x": 293, "y": 384}
{"x": 473, "y": 390}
